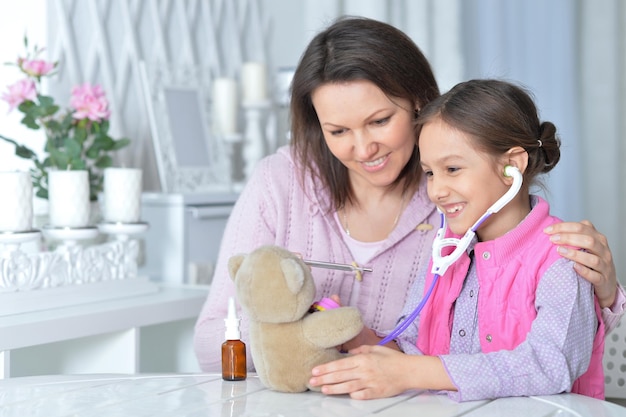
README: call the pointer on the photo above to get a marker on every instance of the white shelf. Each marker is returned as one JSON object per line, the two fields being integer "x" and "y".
{"x": 99, "y": 332}
{"x": 20, "y": 302}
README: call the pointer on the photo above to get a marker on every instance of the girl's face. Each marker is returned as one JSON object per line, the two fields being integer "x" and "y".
{"x": 464, "y": 182}
{"x": 369, "y": 133}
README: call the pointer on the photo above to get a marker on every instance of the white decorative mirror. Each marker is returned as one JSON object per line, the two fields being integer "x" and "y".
{"x": 189, "y": 158}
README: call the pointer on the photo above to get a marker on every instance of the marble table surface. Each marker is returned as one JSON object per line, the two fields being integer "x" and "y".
{"x": 208, "y": 395}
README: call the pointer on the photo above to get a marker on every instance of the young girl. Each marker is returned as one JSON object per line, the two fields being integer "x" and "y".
{"x": 510, "y": 317}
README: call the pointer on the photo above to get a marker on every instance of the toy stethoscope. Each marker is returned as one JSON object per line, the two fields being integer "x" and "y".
{"x": 442, "y": 262}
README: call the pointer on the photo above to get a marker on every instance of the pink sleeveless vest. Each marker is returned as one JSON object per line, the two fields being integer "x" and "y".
{"x": 506, "y": 298}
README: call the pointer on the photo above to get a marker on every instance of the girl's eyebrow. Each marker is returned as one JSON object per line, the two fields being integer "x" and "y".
{"x": 447, "y": 159}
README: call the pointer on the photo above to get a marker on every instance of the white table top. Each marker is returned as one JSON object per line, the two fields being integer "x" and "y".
{"x": 208, "y": 395}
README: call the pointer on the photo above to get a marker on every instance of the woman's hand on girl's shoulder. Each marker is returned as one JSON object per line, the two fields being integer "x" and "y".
{"x": 594, "y": 262}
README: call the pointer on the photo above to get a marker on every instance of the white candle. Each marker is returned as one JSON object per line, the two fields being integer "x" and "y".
{"x": 225, "y": 105}
{"x": 254, "y": 82}
{"x": 68, "y": 198}
{"x": 122, "y": 195}
{"x": 16, "y": 209}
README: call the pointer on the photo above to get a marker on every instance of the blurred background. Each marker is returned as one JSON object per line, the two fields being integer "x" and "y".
{"x": 570, "y": 53}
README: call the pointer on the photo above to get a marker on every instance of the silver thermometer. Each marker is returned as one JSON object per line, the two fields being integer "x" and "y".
{"x": 341, "y": 267}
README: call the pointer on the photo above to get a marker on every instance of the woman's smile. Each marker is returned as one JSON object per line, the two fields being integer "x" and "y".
{"x": 376, "y": 164}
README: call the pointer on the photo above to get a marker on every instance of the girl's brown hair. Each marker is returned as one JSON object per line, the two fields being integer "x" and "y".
{"x": 498, "y": 115}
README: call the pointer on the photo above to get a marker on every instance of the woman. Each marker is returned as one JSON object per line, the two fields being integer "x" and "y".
{"x": 349, "y": 188}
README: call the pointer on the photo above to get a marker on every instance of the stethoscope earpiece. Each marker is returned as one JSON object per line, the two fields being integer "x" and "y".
{"x": 510, "y": 171}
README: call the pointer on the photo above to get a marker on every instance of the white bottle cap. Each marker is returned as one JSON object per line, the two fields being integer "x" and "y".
{"x": 232, "y": 322}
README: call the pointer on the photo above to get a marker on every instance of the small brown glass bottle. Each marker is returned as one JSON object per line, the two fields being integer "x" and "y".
{"x": 233, "y": 349}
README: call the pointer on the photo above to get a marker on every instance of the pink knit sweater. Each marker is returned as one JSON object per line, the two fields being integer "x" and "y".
{"x": 274, "y": 208}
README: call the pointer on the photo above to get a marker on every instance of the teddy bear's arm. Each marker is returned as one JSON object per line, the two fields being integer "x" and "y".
{"x": 331, "y": 328}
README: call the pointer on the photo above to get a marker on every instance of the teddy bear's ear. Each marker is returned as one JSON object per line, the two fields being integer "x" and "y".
{"x": 233, "y": 265}
{"x": 294, "y": 274}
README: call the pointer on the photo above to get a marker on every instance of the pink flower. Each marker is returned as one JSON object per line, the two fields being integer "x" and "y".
{"x": 19, "y": 92}
{"x": 36, "y": 67}
{"x": 89, "y": 102}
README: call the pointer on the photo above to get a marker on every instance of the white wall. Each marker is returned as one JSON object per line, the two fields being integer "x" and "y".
{"x": 572, "y": 58}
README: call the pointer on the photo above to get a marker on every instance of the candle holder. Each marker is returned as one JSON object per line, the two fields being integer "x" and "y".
{"x": 123, "y": 251}
{"x": 11, "y": 241}
{"x": 17, "y": 269}
{"x": 123, "y": 231}
{"x": 70, "y": 263}
{"x": 72, "y": 273}
{"x": 69, "y": 236}
{"x": 69, "y": 271}
{"x": 254, "y": 146}
{"x": 76, "y": 267}
{"x": 232, "y": 142}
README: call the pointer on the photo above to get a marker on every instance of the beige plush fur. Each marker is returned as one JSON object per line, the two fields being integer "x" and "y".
{"x": 275, "y": 289}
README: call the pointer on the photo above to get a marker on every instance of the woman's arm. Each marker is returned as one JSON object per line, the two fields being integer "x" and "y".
{"x": 248, "y": 227}
{"x": 594, "y": 263}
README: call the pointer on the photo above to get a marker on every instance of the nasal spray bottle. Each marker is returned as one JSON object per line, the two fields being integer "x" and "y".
{"x": 233, "y": 349}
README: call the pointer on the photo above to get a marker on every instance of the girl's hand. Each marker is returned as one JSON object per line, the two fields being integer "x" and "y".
{"x": 380, "y": 372}
{"x": 594, "y": 263}
{"x": 373, "y": 372}
{"x": 367, "y": 336}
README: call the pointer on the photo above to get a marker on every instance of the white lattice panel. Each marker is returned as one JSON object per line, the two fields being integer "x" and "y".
{"x": 102, "y": 41}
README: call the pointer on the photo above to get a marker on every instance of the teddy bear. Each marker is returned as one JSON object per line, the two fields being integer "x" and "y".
{"x": 275, "y": 289}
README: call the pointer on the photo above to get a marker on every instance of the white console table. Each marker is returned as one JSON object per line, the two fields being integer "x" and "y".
{"x": 145, "y": 333}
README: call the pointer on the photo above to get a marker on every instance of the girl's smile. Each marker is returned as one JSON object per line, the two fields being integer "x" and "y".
{"x": 464, "y": 182}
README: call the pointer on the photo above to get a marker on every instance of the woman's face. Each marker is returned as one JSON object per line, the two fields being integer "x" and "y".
{"x": 370, "y": 133}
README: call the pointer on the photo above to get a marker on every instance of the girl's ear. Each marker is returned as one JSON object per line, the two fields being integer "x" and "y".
{"x": 516, "y": 157}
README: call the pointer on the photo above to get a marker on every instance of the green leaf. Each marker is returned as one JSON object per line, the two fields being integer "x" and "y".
{"x": 54, "y": 125}
{"x": 104, "y": 142}
{"x": 120, "y": 143}
{"x": 67, "y": 121}
{"x": 45, "y": 101}
{"x": 77, "y": 164}
{"x": 72, "y": 148}
{"x": 80, "y": 134}
{"x": 30, "y": 122}
{"x": 49, "y": 110}
{"x": 93, "y": 152}
{"x": 24, "y": 152}
{"x": 43, "y": 165}
{"x": 104, "y": 162}
{"x": 104, "y": 127}
{"x": 94, "y": 128}
{"x": 42, "y": 193}
{"x": 26, "y": 105}
{"x": 59, "y": 159}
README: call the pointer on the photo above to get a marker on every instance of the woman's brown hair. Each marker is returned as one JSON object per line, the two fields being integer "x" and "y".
{"x": 351, "y": 49}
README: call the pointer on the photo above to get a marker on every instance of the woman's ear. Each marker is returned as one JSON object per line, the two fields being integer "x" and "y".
{"x": 516, "y": 157}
